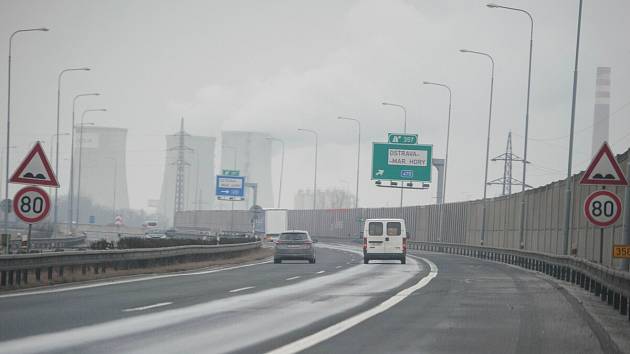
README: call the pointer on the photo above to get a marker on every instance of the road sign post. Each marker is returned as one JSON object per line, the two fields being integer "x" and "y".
{"x": 603, "y": 208}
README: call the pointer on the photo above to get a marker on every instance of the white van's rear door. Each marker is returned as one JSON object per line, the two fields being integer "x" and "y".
{"x": 375, "y": 238}
{"x": 393, "y": 237}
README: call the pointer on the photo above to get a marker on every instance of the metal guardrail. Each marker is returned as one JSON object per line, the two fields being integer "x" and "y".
{"x": 610, "y": 285}
{"x": 15, "y": 270}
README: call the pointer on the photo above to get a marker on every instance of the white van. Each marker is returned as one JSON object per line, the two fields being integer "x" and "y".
{"x": 384, "y": 239}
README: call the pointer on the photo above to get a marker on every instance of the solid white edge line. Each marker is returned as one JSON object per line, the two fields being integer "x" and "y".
{"x": 293, "y": 278}
{"x": 142, "y": 308}
{"x": 327, "y": 333}
{"x": 133, "y": 280}
{"x": 242, "y": 289}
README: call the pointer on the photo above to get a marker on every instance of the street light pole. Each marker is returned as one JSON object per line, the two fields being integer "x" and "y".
{"x": 81, "y": 157}
{"x": 55, "y": 213}
{"x": 568, "y": 191}
{"x": 315, "y": 175}
{"x": 356, "y": 196}
{"x": 448, "y": 136}
{"x": 529, "y": 81}
{"x": 52, "y": 137}
{"x": 281, "y": 168}
{"x": 115, "y": 186}
{"x": 8, "y": 146}
{"x": 234, "y": 168}
{"x": 402, "y": 186}
{"x": 485, "y": 182}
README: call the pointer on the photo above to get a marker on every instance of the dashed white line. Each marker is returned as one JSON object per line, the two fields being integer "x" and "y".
{"x": 321, "y": 271}
{"x": 293, "y": 278}
{"x": 242, "y": 289}
{"x": 142, "y": 308}
{"x": 337, "y": 267}
{"x": 329, "y": 332}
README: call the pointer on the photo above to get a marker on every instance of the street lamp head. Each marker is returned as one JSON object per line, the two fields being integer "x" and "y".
{"x": 43, "y": 29}
{"x": 464, "y": 50}
{"x": 85, "y": 69}
{"x": 492, "y": 6}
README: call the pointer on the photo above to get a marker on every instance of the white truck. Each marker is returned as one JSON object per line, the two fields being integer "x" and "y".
{"x": 272, "y": 223}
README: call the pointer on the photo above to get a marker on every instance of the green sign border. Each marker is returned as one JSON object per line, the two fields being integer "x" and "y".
{"x": 422, "y": 177}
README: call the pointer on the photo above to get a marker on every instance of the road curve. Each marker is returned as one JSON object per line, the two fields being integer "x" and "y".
{"x": 442, "y": 304}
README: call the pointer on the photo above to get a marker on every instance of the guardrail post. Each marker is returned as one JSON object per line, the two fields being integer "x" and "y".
{"x": 50, "y": 273}
{"x": 598, "y": 288}
{"x": 616, "y": 301}
{"x": 587, "y": 283}
{"x": 604, "y": 296}
{"x": 25, "y": 276}
{"x": 573, "y": 276}
{"x": 10, "y": 278}
{"x": 3, "y": 278}
{"x": 18, "y": 277}
{"x": 623, "y": 306}
{"x": 609, "y": 297}
{"x": 38, "y": 275}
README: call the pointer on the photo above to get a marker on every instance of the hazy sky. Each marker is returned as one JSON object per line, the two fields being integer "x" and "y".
{"x": 275, "y": 66}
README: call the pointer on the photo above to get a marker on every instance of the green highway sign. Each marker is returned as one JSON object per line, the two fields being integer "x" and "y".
{"x": 401, "y": 162}
{"x": 402, "y": 138}
{"x": 232, "y": 173}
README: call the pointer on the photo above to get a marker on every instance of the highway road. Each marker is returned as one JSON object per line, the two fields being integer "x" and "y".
{"x": 434, "y": 304}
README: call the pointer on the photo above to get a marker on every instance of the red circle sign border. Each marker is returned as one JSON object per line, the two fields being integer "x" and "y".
{"x": 19, "y": 214}
{"x": 596, "y": 194}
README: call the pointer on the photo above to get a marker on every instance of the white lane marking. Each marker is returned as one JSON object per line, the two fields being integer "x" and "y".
{"x": 321, "y": 272}
{"x": 327, "y": 333}
{"x": 337, "y": 267}
{"x": 142, "y": 308}
{"x": 242, "y": 289}
{"x": 293, "y": 278}
{"x": 116, "y": 282}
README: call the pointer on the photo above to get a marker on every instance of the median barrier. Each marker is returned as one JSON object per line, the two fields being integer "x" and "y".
{"x": 23, "y": 270}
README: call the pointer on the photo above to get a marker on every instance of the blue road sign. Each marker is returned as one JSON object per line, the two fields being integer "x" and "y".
{"x": 230, "y": 186}
{"x": 406, "y": 174}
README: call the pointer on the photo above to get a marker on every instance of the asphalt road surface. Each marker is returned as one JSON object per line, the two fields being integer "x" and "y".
{"x": 434, "y": 304}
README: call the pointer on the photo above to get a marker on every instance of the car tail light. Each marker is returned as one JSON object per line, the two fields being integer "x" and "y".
{"x": 404, "y": 244}
{"x": 365, "y": 243}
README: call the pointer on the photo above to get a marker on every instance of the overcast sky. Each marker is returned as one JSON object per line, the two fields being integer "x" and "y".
{"x": 275, "y": 66}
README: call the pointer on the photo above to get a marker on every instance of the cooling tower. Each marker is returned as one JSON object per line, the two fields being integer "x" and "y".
{"x": 601, "y": 114}
{"x": 103, "y": 162}
{"x": 199, "y": 175}
{"x": 250, "y": 153}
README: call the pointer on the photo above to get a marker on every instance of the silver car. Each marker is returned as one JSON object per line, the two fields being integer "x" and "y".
{"x": 294, "y": 244}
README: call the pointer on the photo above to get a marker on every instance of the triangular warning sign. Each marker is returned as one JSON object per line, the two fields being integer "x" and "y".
{"x": 604, "y": 170}
{"x": 35, "y": 169}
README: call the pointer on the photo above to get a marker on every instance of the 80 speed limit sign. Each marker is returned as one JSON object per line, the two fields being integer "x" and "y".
{"x": 31, "y": 204}
{"x": 602, "y": 208}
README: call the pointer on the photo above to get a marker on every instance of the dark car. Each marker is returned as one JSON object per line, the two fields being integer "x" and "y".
{"x": 294, "y": 245}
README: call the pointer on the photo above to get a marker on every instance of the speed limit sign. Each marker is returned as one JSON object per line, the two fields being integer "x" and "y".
{"x": 31, "y": 204}
{"x": 602, "y": 208}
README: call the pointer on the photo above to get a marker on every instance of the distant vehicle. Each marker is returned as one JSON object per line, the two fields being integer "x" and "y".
{"x": 151, "y": 224}
{"x": 294, "y": 245}
{"x": 155, "y": 234}
{"x": 385, "y": 239}
{"x": 271, "y": 223}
